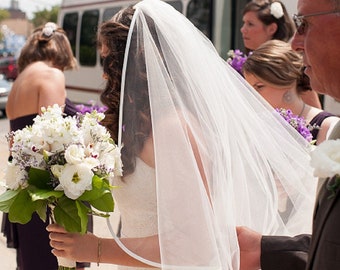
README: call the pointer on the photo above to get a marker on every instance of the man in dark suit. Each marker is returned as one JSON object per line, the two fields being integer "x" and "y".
{"x": 318, "y": 38}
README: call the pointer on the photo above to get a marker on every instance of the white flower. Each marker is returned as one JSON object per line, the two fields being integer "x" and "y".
{"x": 49, "y": 28}
{"x": 75, "y": 179}
{"x": 74, "y": 154}
{"x": 326, "y": 159}
{"x": 91, "y": 162}
{"x": 276, "y": 10}
{"x": 15, "y": 176}
{"x": 51, "y": 25}
{"x": 57, "y": 170}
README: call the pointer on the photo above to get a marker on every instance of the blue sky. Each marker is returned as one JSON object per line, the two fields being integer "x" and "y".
{"x": 30, "y": 6}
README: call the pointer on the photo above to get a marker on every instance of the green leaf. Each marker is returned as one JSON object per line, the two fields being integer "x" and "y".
{"x": 99, "y": 188}
{"x": 105, "y": 203}
{"x": 39, "y": 178}
{"x": 83, "y": 214}
{"x": 67, "y": 214}
{"x": 7, "y": 198}
{"x": 41, "y": 209}
{"x": 100, "y": 197}
{"x": 22, "y": 208}
{"x": 42, "y": 194}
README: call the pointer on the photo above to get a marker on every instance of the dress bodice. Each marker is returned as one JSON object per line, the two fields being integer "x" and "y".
{"x": 317, "y": 120}
{"x": 27, "y": 120}
{"x": 135, "y": 196}
{"x": 136, "y": 199}
{"x": 21, "y": 122}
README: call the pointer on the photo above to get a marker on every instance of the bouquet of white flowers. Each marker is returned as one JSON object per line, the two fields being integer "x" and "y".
{"x": 64, "y": 163}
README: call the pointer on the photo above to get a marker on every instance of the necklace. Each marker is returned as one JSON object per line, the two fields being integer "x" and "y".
{"x": 303, "y": 108}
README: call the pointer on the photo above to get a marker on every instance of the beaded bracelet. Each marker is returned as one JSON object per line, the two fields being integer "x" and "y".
{"x": 99, "y": 251}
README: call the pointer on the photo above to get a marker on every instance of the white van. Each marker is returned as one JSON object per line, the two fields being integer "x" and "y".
{"x": 219, "y": 20}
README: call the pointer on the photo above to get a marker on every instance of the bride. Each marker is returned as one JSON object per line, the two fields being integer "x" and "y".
{"x": 202, "y": 151}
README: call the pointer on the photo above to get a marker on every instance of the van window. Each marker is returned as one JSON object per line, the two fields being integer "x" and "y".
{"x": 109, "y": 12}
{"x": 199, "y": 12}
{"x": 70, "y": 26}
{"x": 88, "y": 48}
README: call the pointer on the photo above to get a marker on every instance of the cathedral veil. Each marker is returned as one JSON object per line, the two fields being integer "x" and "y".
{"x": 251, "y": 169}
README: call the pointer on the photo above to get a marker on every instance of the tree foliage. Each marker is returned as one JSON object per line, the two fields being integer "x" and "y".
{"x": 43, "y": 16}
{"x": 4, "y": 14}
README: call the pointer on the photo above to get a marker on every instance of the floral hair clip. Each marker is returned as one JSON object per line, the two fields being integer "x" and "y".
{"x": 276, "y": 10}
{"x": 49, "y": 29}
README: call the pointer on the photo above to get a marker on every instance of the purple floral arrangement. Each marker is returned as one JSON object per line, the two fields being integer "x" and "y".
{"x": 236, "y": 59}
{"x": 299, "y": 123}
{"x": 90, "y": 106}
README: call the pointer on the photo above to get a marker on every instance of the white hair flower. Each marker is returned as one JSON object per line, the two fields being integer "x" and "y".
{"x": 276, "y": 10}
{"x": 49, "y": 28}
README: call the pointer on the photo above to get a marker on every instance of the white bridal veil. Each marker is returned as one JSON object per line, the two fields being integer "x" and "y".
{"x": 255, "y": 165}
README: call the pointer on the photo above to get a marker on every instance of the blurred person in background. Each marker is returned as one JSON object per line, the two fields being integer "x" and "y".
{"x": 265, "y": 20}
{"x": 40, "y": 83}
{"x": 275, "y": 70}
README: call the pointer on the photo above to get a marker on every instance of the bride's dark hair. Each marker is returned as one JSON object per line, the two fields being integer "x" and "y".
{"x": 137, "y": 124}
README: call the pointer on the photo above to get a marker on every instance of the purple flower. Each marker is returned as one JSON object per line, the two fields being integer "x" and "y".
{"x": 297, "y": 122}
{"x": 236, "y": 59}
{"x": 91, "y": 106}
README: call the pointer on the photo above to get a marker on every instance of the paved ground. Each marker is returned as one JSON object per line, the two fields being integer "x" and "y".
{"x": 7, "y": 256}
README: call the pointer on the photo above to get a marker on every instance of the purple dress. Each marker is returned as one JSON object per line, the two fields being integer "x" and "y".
{"x": 317, "y": 121}
{"x": 31, "y": 240}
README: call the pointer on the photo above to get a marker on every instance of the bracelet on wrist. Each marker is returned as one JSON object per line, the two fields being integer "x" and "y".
{"x": 99, "y": 250}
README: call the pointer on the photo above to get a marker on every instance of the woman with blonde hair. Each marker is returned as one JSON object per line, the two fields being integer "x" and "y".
{"x": 275, "y": 70}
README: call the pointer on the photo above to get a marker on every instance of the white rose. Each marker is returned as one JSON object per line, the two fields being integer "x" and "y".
{"x": 15, "y": 176}
{"x": 74, "y": 154}
{"x": 91, "y": 162}
{"x": 112, "y": 159}
{"x": 276, "y": 10}
{"x": 56, "y": 170}
{"x": 75, "y": 179}
{"x": 326, "y": 159}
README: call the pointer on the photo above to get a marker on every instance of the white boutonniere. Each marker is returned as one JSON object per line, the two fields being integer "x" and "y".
{"x": 325, "y": 159}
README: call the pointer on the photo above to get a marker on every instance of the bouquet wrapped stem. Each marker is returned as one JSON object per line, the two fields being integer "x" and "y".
{"x": 66, "y": 264}
{"x": 63, "y": 263}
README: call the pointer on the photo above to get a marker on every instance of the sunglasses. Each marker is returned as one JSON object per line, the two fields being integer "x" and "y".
{"x": 301, "y": 24}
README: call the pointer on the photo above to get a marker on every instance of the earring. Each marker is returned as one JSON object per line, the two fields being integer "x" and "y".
{"x": 287, "y": 97}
